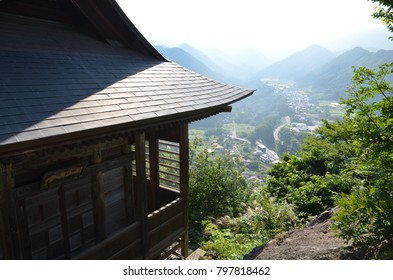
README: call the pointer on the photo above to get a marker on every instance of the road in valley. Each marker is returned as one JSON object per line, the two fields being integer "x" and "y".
{"x": 287, "y": 121}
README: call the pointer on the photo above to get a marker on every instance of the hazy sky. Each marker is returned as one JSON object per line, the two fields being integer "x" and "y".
{"x": 268, "y": 25}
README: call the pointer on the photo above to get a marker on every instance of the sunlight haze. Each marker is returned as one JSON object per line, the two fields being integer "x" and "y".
{"x": 275, "y": 28}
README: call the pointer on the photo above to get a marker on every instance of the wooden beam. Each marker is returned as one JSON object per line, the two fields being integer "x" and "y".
{"x": 184, "y": 176}
{"x": 141, "y": 190}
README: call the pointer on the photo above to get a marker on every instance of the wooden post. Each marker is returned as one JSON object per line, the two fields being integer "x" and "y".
{"x": 98, "y": 198}
{"x": 5, "y": 238}
{"x": 128, "y": 185}
{"x": 184, "y": 169}
{"x": 141, "y": 191}
{"x": 7, "y": 226}
{"x": 154, "y": 169}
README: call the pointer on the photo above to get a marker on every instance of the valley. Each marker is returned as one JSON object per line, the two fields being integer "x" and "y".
{"x": 290, "y": 99}
{"x": 238, "y": 137}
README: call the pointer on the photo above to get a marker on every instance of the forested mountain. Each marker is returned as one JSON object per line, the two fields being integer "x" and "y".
{"x": 297, "y": 64}
{"x": 327, "y": 75}
{"x": 333, "y": 78}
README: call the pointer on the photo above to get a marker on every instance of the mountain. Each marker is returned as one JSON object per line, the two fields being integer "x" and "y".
{"x": 187, "y": 60}
{"x": 251, "y": 58}
{"x": 242, "y": 63}
{"x": 336, "y": 76}
{"x": 195, "y": 60}
{"x": 297, "y": 64}
{"x": 202, "y": 57}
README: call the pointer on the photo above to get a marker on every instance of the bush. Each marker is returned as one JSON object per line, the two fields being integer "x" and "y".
{"x": 217, "y": 187}
{"x": 232, "y": 238}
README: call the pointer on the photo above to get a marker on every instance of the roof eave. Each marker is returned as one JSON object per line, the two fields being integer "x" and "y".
{"x": 12, "y": 149}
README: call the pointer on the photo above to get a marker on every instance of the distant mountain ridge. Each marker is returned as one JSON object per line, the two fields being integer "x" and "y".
{"x": 187, "y": 60}
{"x": 320, "y": 70}
{"x": 299, "y": 63}
{"x": 336, "y": 76}
{"x": 327, "y": 74}
{"x": 234, "y": 68}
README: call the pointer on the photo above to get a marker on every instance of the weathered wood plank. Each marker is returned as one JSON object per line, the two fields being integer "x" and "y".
{"x": 161, "y": 232}
{"x": 164, "y": 213}
{"x": 158, "y": 248}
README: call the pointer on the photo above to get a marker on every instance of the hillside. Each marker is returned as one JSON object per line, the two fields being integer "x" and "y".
{"x": 327, "y": 75}
{"x": 335, "y": 77}
{"x": 297, "y": 64}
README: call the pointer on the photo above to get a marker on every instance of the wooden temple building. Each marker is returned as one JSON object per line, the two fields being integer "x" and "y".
{"x": 93, "y": 134}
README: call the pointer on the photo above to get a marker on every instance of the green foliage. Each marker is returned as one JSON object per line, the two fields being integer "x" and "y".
{"x": 264, "y": 131}
{"x": 217, "y": 187}
{"x": 226, "y": 244}
{"x": 290, "y": 141}
{"x": 229, "y": 216}
{"x": 312, "y": 180}
{"x": 232, "y": 238}
{"x": 384, "y": 13}
{"x": 366, "y": 215}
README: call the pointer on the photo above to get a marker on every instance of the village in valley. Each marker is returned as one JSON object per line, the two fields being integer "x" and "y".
{"x": 303, "y": 118}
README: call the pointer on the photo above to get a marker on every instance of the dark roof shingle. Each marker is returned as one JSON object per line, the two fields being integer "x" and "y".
{"x": 55, "y": 80}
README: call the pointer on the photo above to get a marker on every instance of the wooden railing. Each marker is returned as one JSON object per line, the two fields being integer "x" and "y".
{"x": 124, "y": 244}
{"x": 166, "y": 226}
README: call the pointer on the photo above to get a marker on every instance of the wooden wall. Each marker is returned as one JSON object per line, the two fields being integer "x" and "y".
{"x": 83, "y": 201}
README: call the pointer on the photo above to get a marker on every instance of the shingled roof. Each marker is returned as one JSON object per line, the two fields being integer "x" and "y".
{"x": 58, "y": 83}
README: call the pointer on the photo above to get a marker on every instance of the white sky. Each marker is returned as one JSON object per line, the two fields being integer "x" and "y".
{"x": 279, "y": 25}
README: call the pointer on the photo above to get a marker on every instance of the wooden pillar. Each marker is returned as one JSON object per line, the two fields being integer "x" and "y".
{"x": 128, "y": 185}
{"x": 7, "y": 225}
{"x": 184, "y": 170}
{"x": 141, "y": 190}
{"x": 154, "y": 170}
{"x": 98, "y": 198}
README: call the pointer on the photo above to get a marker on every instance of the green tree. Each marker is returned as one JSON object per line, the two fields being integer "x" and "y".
{"x": 366, "y": 215}
{"x": 312, "y": 179}
{"x": 217, "y": 187}
{"x": 290, "y": 141}
{"x": 264, "y": 132}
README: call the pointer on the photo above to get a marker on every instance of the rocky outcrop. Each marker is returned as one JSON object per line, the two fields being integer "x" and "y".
{"x": 316, "y": 241}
